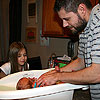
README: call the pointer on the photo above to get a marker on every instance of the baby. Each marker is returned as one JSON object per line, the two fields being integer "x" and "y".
{"x": 27, "y": 83}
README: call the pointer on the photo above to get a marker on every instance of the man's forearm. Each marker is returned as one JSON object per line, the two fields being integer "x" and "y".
{"x": 74, "y": 66}
{"x": 85, "y": 76}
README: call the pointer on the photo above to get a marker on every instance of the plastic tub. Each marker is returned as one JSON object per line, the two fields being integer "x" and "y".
{"x": 55, "y": 92}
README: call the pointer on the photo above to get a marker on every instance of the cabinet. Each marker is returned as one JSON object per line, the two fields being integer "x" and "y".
{"x": 94, "y": 2}
{"x": 52, "y": 24}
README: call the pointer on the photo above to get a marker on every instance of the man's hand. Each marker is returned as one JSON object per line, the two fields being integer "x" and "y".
{"x": 47, "y": 79}
{"x": 57, "y": 68}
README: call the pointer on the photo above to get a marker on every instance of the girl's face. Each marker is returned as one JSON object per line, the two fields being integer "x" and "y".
{"x": 22, "y": 57}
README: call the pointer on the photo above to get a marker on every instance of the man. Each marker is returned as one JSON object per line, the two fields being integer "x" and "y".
{"x": 80, "y": 18}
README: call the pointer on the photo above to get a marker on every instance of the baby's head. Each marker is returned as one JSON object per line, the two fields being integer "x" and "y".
{"x": 24, "y": 83}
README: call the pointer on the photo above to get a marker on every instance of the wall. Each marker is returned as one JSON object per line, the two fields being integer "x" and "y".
{"x": 4, "y": 29}
{"x": 56, "y": 45}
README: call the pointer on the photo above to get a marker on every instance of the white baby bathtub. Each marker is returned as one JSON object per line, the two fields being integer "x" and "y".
{"x": 54, "y": 92}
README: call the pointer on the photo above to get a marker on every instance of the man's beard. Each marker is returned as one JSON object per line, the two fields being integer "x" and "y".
{"x": 80, "y": 26}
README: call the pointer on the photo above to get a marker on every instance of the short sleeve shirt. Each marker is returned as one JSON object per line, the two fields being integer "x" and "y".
{"x": 6, "y": 68}
{"x": 89, "y": 40}
{"x": 89, "y": 46}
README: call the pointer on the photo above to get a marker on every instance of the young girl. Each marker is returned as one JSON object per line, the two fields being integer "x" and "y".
{"x": 17, "y": 59}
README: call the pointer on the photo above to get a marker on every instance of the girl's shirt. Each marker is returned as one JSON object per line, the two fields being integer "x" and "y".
{"x": 6, "y": 68}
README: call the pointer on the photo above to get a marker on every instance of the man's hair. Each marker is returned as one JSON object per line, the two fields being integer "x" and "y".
{"x": 71, "y": 5}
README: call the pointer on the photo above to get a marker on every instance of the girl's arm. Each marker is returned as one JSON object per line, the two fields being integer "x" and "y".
{"x": 2, "y": 74}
